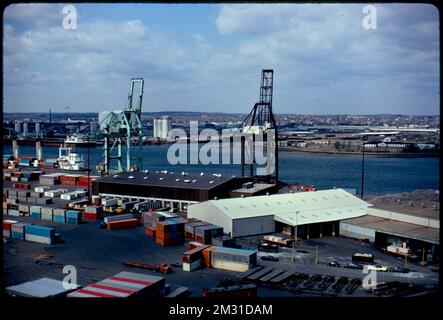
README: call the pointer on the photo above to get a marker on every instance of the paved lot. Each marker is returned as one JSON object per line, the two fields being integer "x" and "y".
{"x": 99, "y": 253}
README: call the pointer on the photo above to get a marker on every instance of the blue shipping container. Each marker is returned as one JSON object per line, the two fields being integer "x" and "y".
{"x": 40, "y": 231}
{"x": 73, "y": 214}
{"x": 58, "y": 218}
{"x": 18, "y": 235}
{"x": 73, "y": 220}
{"x": 36, "y": 215}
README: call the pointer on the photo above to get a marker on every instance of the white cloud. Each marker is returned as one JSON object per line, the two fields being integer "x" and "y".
{"x": 320, "y": 53}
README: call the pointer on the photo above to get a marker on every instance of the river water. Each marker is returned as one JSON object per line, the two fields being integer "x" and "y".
{"x": 383, "y": 173}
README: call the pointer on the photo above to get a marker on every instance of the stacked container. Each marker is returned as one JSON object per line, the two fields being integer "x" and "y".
{"x": 36, "y": 212}
{"x": 69, "y": 179}
{"x": 39, "y": 234}
{"x": 54, "y": 193}
{"x": 73, "y": 195}
{"x": 204, "y": 234}
{"x": 123, "y": 285}
{"x": 13, "y": 212}
{"x": 207, "y": 256}
{"x": 83, "y": 181}
{"x": 73, "y": 216}
{"x": 24, "y": 209}
{"x": 47, "y": 213}
{"x": 18, "y": 230}
{"x": 20, "y": 185}
{"x": 170, "y": 232}
{"x": 41, "y": 189}
{"x": 50, "y": 179}
{"x": 59, "y": 215}
{"x": 7, "y": 224}
{"x": 190, "y": 229}
{"x": 93, "y": 213}
{"x": 193, "y": 259}
{"x": 150, "y": 220}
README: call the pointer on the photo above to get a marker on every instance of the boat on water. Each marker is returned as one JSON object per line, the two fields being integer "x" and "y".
{"x": 69, "y": 160}
{"x": 78, "y": 140}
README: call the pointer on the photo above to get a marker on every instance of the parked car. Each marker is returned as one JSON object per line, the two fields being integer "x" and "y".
{"x": 353, "y": 266}
{"x": 269, "y": 258}
{"x": 377, "y": 268}
{"x": 334, "y": 264}
{"x": 398, "y": 269}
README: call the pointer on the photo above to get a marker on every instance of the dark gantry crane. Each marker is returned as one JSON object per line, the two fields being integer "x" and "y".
{"x": 261, "y": 121}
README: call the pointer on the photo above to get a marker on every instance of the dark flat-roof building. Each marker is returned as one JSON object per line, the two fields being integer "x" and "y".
{"x": 176, "y": 188}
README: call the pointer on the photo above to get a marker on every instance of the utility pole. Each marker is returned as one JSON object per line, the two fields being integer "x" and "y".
{"x": 316, "y": 255}
{"x": 363, "y": 170}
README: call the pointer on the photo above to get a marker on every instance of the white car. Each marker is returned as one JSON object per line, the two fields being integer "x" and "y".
{"x": 377, "y": 268}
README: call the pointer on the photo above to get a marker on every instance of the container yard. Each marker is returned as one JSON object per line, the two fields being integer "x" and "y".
{"x": 306, "y": 246}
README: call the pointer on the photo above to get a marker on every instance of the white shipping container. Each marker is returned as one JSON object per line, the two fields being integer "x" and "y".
{"x": 41, "y": 288}
{"x": 41, "y": 189}
{"x": 69, "y": 196}
{"x": 39, "y": 239}
{"x": 192, "y": 266}
{"x": 109, "y": 202}
{"x": 229, "y": 265}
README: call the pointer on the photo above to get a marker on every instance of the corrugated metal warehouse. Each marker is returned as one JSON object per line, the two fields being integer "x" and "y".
{"x": 420, "y": 229}
{"x": 314, "y": 213}
{"x": 174, "y": 188}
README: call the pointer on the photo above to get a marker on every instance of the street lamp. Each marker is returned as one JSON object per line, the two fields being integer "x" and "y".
{"x": 363, "y": 169}
{"x": 295, "y": 238}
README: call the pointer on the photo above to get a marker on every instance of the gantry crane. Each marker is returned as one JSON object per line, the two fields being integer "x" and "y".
{"x": 123, "y": 127}
{"x": 261, "y": 121}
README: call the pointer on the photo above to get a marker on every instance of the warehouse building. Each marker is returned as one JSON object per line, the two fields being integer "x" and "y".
{"x": 416, "y": 226}
{"x": 177, "y": 190}
{"x": 312, "y": 214}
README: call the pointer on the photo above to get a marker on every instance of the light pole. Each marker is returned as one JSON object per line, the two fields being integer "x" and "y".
{"x": 295, "y": 237}
{"x": 363, "y": 169}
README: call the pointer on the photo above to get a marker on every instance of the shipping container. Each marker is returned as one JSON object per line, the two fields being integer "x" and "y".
{"x": 233, "y": 259}
{"x": 41, "y": 288}
{"x": 120, "y": 217}
{"x": 120, "y": 224}
{"x": 74, "y": 216}
{"x": 123, "y": 285}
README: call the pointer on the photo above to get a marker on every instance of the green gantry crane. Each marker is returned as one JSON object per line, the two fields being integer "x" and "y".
{"x": 123, "y": 127}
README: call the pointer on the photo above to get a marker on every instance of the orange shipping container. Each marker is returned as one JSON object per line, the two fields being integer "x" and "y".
{"x": 207, "y": 256}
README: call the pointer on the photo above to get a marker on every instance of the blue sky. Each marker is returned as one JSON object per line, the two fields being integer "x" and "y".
{"x": 208, "y": 57}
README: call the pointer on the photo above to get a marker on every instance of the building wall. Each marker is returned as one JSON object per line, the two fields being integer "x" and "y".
{"x": 357, "y": 232}
{"x": 252, "y": 226}
{"x": 207, "y": 212}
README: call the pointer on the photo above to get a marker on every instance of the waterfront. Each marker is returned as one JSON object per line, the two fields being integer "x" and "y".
{"x": 384, "y": 174}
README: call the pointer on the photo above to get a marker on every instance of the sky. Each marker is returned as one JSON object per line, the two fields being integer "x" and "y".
{"x": 208, "y": 57}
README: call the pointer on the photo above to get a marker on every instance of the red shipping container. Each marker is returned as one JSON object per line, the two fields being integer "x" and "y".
{"x": 120, "y": 224}
{"x": 89, "y": 216}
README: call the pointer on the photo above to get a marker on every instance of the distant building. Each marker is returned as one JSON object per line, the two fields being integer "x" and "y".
{"x": 162, "y": 126}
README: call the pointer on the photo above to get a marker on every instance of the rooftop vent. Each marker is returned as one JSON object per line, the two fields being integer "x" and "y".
{"x": 115, "y": 176}
{"x": 177, "y": 179}
{"x": 186, "y": 181}
{"x": 131, "y": 177}
{"x": 398, "y": 201}
{"x": 215, "y": 198}
{"x": 202, "y": 173}
{"x": 423, "y": 205}
{"x": 267, "y": 193}
{"x": 410, "y": 203}
{"x": 194, "y": 180}
{"x": 145, "y": 178}
{"x": 160, "y": 178}
{"x": 211, "y": 182}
